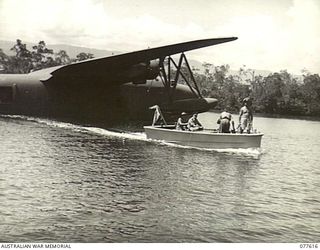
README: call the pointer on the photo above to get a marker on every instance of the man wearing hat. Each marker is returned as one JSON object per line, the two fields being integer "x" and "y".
{"x": 181, "y": 125}
{"x": 224, "y": 121}
{"x": 245, "y": 116}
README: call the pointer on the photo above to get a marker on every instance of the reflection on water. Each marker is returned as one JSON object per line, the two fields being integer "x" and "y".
{"x": 69, "y": 183}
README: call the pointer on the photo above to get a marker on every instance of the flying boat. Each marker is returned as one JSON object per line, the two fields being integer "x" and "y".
{"x": 112, "y": 89}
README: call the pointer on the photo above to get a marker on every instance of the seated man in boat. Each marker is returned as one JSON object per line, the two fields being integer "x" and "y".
{"x": 181, "y": 125}
{"x": 194, "y": 124}
{"x": 224, "y": 122}
{"x": 245, "y": 116}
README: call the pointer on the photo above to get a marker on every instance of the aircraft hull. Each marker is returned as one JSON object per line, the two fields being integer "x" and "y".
{"x": 88, "y": 102}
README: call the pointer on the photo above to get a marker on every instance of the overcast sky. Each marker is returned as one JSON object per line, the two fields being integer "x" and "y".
{"x": 273, "y": 35}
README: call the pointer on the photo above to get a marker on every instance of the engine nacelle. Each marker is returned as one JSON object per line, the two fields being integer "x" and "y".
{"x": 139, "y": 73}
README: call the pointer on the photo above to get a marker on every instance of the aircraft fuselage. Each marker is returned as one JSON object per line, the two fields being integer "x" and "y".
{"x": 22, "y": 94}
{"x": 87, "y": 99}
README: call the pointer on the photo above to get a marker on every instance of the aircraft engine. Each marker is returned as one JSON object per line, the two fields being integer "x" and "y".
{"x": 153, "y": 69}
{"x": 139, "y": 73}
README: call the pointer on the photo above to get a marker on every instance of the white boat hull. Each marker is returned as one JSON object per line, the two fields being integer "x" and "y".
{"x": 204, "y": 138}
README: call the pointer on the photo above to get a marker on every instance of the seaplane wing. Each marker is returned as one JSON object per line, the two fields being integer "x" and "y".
{"x": 112, "y": 65}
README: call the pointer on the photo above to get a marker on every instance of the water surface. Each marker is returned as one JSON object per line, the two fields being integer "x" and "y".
{"x": 61, "y": 182}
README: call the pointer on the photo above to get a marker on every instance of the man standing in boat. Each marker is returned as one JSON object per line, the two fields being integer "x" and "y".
{"x": 245, "y": 116}
{"x": 194, "y": 124}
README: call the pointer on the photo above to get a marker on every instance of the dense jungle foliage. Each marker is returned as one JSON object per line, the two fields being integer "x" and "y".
{"x": 277, "y": 93}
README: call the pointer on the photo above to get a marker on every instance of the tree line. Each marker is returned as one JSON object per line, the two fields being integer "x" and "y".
{"x": 277, "y": 93}
{"x": 39, "y": 57}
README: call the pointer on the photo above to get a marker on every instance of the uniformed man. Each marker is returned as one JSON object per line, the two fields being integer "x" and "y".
{"x": 224, "y": 122}
{"x": 245, "y": 116}
{"x": 194, "y": 124}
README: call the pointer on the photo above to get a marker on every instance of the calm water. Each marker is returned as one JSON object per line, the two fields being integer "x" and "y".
{"x": 65, "y": 183}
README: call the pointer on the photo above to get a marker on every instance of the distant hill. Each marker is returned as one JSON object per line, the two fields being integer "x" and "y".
{"x": 257, "y": 72}
{"x": 71, "y": 50}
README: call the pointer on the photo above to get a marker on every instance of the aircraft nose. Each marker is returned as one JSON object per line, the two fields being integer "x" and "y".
{"x": 190, "y": 105}
{"x": 211, "y": 102}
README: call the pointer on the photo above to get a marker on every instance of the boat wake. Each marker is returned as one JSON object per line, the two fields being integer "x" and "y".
{"x": 121, "y": 134}
{"x": 80, "y": 128}
{"x": 255, "y": 152}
